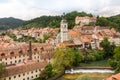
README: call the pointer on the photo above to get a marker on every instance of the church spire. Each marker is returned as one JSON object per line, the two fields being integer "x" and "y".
{"x": 63, "y": 18}
{"x": 64, "y": 29}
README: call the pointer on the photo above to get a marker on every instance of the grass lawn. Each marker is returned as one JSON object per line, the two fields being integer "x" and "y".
{"x": 101, "y": 63}
{"x": 92, "y": 76}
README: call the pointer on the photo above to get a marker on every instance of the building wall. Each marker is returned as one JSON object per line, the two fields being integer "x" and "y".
{"x": 25, "y": 76}
{"x": 14, "y": 60}
{"x": 64, "y": 31}
{"x": 19, "y": 58}
{"x": 116, "y": 41}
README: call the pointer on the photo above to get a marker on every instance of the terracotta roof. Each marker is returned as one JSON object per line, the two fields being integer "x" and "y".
{"x": 65, "y": 44}
{"x": 5, "y": 52}
{"x": 114, "y": 77}
{"x": 86, "y": 38}
{"x": 24, "y": 67}
{"x": 73, "y": 33}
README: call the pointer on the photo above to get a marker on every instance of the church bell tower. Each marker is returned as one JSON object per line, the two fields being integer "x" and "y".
{"x": 64, "y": 29}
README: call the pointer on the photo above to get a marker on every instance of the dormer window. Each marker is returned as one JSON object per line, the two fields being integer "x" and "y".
{"x": 12, "y": 53}
{"x": 28, "y": 50}
{"x": 3, "y": 54}
{"x": 35, "y": 49}
{"x": 42, "y": 48}
{"x": 20, "y": 51}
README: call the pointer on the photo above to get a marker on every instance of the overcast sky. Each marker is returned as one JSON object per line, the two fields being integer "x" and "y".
{"x": 28, "y": 9}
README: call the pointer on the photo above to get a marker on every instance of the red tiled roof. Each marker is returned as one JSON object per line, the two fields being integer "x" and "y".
{"x": 114, "y": 77}
{"x": 74, "y": 33}
{"x": 24, "y": 67}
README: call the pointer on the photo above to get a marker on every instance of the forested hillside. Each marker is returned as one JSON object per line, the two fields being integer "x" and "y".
{"x": 113, "y": 22}
{"x": 53, "y": 21}
{"x": 10, "y": 23}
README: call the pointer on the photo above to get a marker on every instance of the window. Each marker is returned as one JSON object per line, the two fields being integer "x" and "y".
{"x": 20, "y": 51}
{"x": 9, "y": 78}
{"x": 36, "y": 75}
{"x": 42, "y": 48}
{"x": 36, "y": 70}
{"x": 14, "y": 76}
{"x": 10, "y": 57}
{"x": 23, "y": 74}
{"x": 11, "y": 62}
{"x": 3, "y": 54}
{"x": 27, "y": 50}
{"x": 15, "y": 61}
{"x": 11, "y": 53}
{"x": 19, "y": 75}
{"x": 38, "y": 60}
{"x": 19, "y": 60}
{"x": 35, "y": 49}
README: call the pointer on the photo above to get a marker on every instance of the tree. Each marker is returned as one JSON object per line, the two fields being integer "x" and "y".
{"x": 78, "y": 57}
{"x": 115, "y": 62}
{"x": 46, "y": 36}
{"x": 99, "y": 55}
{"x": 2, "y": 68}
{"x": 108, "y": 48}
{"x": 63, "y": 58}
{"x": 46, "y": 73}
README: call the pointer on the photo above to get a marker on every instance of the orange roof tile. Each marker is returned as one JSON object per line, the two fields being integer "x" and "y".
{"x": 73, "y": 33}
{"x": 114, "y": 77}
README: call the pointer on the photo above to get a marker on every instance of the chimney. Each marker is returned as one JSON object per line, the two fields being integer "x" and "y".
{"x": 30, "y": 50}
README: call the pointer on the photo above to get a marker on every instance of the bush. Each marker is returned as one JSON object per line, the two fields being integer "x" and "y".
{"x": 90, "y": 57}
{"x": 113, "y": 63}
{"x": 2, "y": 68}
{"x": 98, "y": 55}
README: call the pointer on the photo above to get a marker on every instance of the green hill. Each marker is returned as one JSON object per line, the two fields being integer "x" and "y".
{"x": 53, "y": 21}
{"x": 113, "y": 22}
{"x": 10, "y": 23}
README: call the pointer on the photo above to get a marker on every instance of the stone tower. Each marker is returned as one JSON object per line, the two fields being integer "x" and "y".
{"x": 64, "y": 29}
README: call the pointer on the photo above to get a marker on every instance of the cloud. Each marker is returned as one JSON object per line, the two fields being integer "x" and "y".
{"x": 4, "y": 1}
{"x": 28, "y": 9}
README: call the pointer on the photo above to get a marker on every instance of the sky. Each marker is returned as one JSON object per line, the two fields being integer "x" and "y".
{"x": 29, "y": 9}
